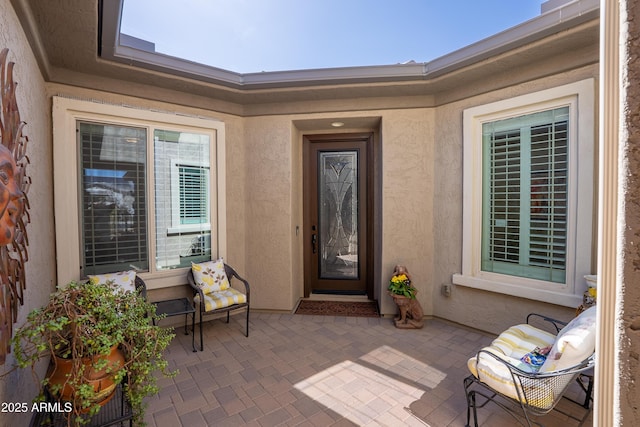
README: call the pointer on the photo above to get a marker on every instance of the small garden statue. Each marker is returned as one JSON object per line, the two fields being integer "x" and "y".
{"x": 404, "y": 295}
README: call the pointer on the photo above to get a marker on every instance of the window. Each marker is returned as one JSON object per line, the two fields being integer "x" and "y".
{"x": 149, "y": 187}
{"x": 182, "y": 198}
{"x": 528, "y": 194}
{"x": 524, "y": 198}
{"x": 193, "y": 203}
{"x": 190, "y": 196}
{"x": 113, "y": 183}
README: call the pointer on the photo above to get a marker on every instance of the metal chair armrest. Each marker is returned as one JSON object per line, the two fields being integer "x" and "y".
{"x": 141, "y": 287}
{"x": 580, "y": 367}
{"x": 557, "y": 324}
{"x": 196, "y": 289}
{"x": 231, "y": 273}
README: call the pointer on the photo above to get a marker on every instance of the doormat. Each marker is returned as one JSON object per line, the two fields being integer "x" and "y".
{"x": 338, "y": 308}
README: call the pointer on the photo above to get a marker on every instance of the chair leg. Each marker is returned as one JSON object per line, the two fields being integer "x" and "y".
{"x": 193, "y": 331}
{"x": 588, "y": 392}
{"x": 468, "y": 411}
{"x": 471, "y": 402}
{"x": 201, "y": 340}
{"x": 475, "y": 408}
{"x": 246, "y": 334}
{"x": 227, "y": 317}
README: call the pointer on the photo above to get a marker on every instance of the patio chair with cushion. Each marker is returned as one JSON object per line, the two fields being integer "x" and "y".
{"x": 213, "y": 293}
{"x": 526, "y": 370}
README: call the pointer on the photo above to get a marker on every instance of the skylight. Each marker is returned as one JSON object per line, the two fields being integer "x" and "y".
{"x": 252, "y": 36}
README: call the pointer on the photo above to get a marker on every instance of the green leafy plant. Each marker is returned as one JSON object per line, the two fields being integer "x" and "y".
{"x": 400, "y": 284}
{"x": 83, "y": 321}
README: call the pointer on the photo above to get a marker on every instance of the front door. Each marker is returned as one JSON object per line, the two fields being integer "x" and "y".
{"x": 337, "y": 208}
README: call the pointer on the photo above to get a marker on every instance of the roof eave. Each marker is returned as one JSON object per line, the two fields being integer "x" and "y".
{"x": 554, "y": 21}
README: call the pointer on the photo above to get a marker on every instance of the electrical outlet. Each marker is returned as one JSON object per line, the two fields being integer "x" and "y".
{"x": 446, "y": 289}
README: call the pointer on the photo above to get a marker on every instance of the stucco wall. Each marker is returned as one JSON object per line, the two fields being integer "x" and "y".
{"x": 268, "y": 216}
{"x": 629, "y": 293}
{"x": 419, "y": 204}
{"x": 420, "y": 212}
{"x": 274, "y": 202}
{"x": 407, "y": 201}
{"x": 34, "y": 107}
{"x": 487, "y": 311}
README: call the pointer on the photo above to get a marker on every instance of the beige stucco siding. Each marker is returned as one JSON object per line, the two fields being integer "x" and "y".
{"x": 485, "y": 310}
{"x": 418, "y": 206}
{"x": 274, "y": 202}
{"x": 407, "y": 201}
{"x": 268, "y": 211}
{"x": 40, "y": 268}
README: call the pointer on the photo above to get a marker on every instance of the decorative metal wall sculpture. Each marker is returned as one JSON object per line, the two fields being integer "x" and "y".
{"x": 14, "y": 206}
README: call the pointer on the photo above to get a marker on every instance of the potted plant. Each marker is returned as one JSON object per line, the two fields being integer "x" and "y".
{"x": 404, "y": 295}
{"x": 81, "y": 325}
{"x": 400, "y": 285}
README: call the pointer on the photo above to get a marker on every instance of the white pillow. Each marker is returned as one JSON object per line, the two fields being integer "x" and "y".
{"x": 210, "y": 276}
{"x": 574, "y": 343}
{"x": 124, "y": 279}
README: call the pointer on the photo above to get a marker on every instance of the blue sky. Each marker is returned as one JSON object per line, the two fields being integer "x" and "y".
{"x": 275, "y": 35}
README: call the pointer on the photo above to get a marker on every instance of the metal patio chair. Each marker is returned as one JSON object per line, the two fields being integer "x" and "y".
{"x": 498, "y": 376}
{"x": 220, "y": 302}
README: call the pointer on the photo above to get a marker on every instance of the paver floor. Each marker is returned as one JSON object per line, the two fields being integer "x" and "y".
{"x": 297, "y": 370}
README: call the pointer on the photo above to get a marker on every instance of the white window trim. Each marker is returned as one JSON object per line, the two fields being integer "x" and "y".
{"x": 66, "y": 112}
{"x": 580, "y": 97}
{"x": 176, "y": 225}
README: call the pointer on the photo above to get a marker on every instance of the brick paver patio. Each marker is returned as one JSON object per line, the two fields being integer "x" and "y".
{"x": 296, "y": 370}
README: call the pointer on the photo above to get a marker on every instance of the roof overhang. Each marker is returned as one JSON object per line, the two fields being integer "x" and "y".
{"x": 77, "y": 43}
{"x": 120, "y": 49}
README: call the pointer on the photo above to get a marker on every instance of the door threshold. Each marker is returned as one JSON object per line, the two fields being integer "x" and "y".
{"x": 325, "y": 296}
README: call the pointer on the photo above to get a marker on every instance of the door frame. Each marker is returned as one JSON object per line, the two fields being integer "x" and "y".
{"x": 368, "y": 138}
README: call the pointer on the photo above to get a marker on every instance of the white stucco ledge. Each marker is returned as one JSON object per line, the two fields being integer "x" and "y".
{"x": 542, "y": 295}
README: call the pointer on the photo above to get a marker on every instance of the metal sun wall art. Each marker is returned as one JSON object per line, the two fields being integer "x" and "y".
{"x": 14, "y": 206}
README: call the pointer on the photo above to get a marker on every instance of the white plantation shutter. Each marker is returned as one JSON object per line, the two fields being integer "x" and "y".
{"x": 525, "y": 195}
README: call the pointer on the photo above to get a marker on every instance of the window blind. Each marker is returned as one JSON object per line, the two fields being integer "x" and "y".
{"x": 113, "y": 171}
{"x": 193, "y": 195}
{"x": 525, "y": 195}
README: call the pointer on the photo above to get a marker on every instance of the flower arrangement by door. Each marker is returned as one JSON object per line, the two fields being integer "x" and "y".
{"x": 404, "y": 295}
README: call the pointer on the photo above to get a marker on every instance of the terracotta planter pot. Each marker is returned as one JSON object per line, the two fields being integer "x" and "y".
{"x": 103, "y": 382}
